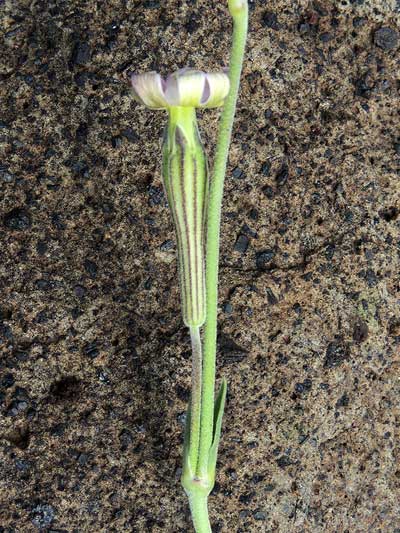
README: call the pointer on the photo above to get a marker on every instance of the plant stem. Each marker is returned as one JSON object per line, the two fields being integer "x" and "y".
{"x": 240, "y": 21}
{"x": 199, "y": 512}
{"x": 195, "y": 402}
{"x": 201, "y": 441}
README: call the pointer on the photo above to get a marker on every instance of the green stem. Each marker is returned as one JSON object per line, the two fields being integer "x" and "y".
{"x": 195, "y": 402}
{"x": 199, "y": 512}
{"x": 240, "y": 21}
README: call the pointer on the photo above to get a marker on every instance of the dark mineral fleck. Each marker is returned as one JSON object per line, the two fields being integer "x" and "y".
{"x": 231, "y": 351}
{"x": 264, "y": 258}
{"x": 304, "y": 387}
{"x": 326, "y": 37}
{"x": 336, "y": 354}
{"x": 41, "y": 247}
{"x": 79, "y": 291}
{"x": 17, "y": 219}
{"x": 360, "y": 331}
{"x": 168, "y": 245}
{"x": 268, "y": 191}
{"x": 270, "y": 20}
{"x": 91, "y": 350}
{"x": 371, "y": 277}
{"x": 90, "y": 267}
{"x": 126, "y": 439}
{"x": 272, "y": 299}
{"x": 247, "y": 497}
{"x": 83, "y": 458}
{"x": 19, "y": 437}
{"x": 80, "y": 54}
{"x": 343, "y": 401}
{"x": 22, "y": 466}
{"x": 130, "y": 135}
{"x": 43, "y": 284}
{"x": 156, "y": 195}
{"x": 265, "y": 169}
{"x": 241, "y": 244}
{"x": 7, "y": 381}
{"x": 237, "y": 173}
{"x": 56, "y": 221}
{"x": 283, "y": 461}
{"x": 43, "y": 516}
{"x": 304, "y": 28}
{"x": 282, "y": 175}
{"x": 358, "y": 22}
{"x": 362, "y": 87}
{"x": 151, "y": 4}
{"x": 67, "y": 388}
{"x": 299, "y": 388}
{"x": 7, "y": 177}
{"x": 386, "y": 38}
{"x": 389, "y": 214}
{"x": 116, "y": 142}
{"x": 227, "y": 308}
{"x": 5, "y": 313}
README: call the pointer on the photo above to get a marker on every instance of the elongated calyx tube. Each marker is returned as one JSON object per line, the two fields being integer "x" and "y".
{"x": 185, "y": 179}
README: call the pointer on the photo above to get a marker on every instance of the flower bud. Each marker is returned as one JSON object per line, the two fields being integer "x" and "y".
{"x": 237, "y": 7}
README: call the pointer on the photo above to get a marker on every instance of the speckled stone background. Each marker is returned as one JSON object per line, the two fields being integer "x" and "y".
{"x": 95, "y": 362}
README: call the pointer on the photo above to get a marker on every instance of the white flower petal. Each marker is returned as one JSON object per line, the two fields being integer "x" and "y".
{"x": 216, "y": 89}
{"x": 184, "y": 88}
{"x": 190, "y": 87}
{"x": 172, "y": 90}
{"x": 148, "y": 89}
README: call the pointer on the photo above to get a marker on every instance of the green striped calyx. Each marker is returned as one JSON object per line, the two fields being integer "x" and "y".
{"x": 185, "y": 178}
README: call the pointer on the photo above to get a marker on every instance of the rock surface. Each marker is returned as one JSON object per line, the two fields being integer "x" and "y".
{"x": 95, "y": 367}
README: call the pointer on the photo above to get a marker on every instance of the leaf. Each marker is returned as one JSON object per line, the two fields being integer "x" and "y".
{"x": 218, "y": 414}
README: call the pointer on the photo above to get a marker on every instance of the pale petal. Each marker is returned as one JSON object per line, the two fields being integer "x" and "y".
{"x": 148, "y": 89}
{"x": 216, "y": 89}
{"x": 172, "y": 90}
{"x": 190, "y": 84}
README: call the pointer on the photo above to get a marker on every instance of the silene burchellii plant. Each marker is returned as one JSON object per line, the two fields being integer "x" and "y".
{"x": 195, "y": 199}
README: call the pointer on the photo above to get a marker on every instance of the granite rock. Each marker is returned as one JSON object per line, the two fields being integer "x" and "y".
{"x": 94, "y": 358}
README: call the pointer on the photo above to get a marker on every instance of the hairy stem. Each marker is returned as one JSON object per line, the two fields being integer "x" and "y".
{"x": 195, "y": 402}
{"x": 240, "y": 21}
{"x": 199, "y": 512}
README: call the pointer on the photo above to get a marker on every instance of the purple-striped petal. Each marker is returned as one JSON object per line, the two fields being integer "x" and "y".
{"x": 148, "y": 89}
{"x": 172, "y": 90}
{"x": 215, "y": 90}
{"x": 184, "y": 88}
{"x": 188, "y": 85}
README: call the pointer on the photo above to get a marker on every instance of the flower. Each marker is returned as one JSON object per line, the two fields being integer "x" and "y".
{"x": 183, "y": 88}
{"x": 185, "y": 170}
